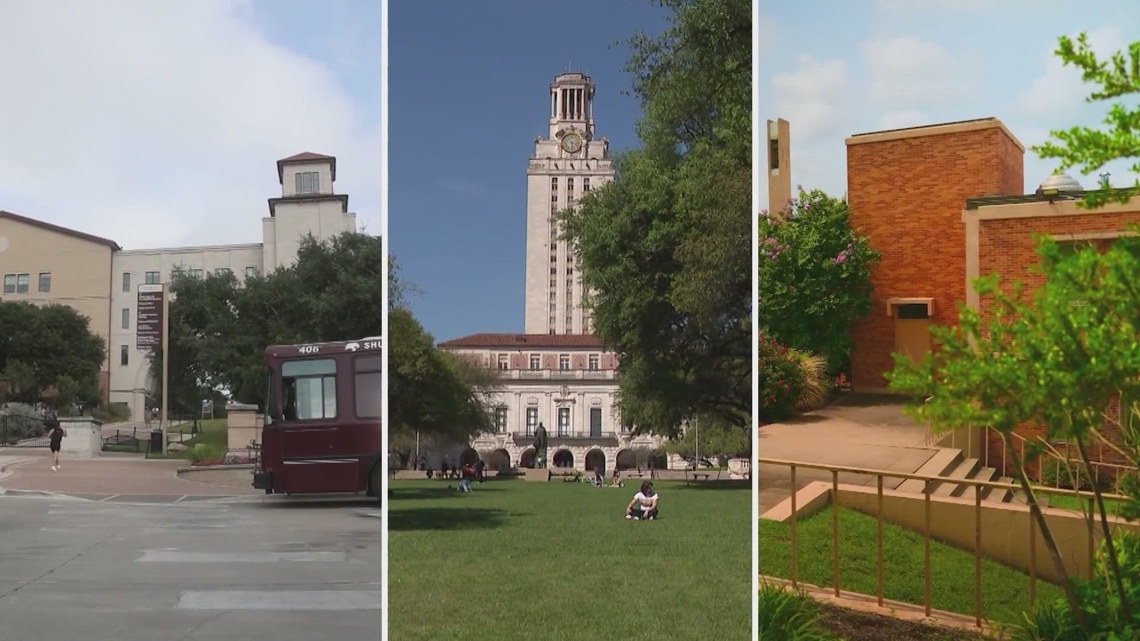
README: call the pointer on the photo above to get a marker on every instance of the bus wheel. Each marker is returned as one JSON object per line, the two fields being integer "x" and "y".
{"x": 376, "y": 482}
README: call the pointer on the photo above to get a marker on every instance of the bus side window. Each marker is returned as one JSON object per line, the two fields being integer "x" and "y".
{"x": 289, "y": 406}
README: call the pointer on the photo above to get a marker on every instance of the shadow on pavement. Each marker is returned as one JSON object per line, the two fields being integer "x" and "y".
{"x": 312, "y": 502}
{"x": 443, "y": 518}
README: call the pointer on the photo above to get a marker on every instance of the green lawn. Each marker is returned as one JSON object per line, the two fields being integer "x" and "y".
{"x": 517, "y": 561}
{"x": 1005, "y": 591}
{"x": 210, "y": 431}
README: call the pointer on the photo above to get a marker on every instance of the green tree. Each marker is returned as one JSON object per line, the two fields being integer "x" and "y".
{"x": 666, "y": 247}
{"x": 43, "y": 346}
{"x": 712, "y": 439}
{"x": 429, "y": 389}
{"x": 814, "y": 277}
{"x": 1054, "y": 357}
{"x": 219, "y": 328}
{"x": 1091, "y": 149}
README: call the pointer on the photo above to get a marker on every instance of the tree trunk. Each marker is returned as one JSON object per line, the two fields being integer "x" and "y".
{"x": 1113, "y": 564}
{"x": 1050, "y": 544}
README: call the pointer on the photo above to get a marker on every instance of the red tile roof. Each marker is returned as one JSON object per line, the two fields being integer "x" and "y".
{"x": 304, "y": 156}
{"x": 60, "y": 230}
{"x": 523, "y": 341}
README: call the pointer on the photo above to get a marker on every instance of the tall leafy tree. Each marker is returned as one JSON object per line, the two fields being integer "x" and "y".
{"x": 220, "y": 328}
{"x": 1116, "y": 78}
{"x": 814, "y": 277}
{"x": 666, "y": 247}
{"x": 50, "y": 353}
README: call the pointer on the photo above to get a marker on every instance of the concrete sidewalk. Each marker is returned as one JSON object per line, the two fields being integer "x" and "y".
{"x": 105, "y": 476}
{"x": 869, "y": 433}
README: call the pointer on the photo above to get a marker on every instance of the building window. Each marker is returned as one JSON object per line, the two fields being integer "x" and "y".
{"x": 250, "y": 272}
{"x": 569, "y": 271}
{"x": 553, "y": 198}
{"x": 153, "y": 278}
{"x": 569, "y": 185}
{"x": 9, "y": 283}
{"x": 911, "y": 311}
{"x": 553, "y": 307}
{"x": 45, "y": 282}
{"x": 564, "y": 421}
{"x": 126, "y": 281}
{"x": 223, "y": 271}
{"x": 596, "y": 422}
{"x": 553, "y": 270}
{"x": 563, "y": 362}
{"x": 309, "y": 389}
{"x": 126, "y": 318}
{"x": 500, "y": 420}
{"x": 774, "y": 154}
{"x": 504, "y": 361}
{"x": 367, "y": 386}
{"x": 554, "y": 258}
{"x": 554, "y": 182}
{"x": 552, "y": 282}
{"x": 535, "y": 361}
{"x": 124, "y": 354}
{"x": 552, "y": 321}
{"x": 552, "y": 295}
{"x": 531, "y": 420}
{"x": 22, "y": 283}
{"x": 308, "y": 182}
{"x": 198, "y": 273}
{"x": 585, "y": 184}
{"x": 592, "y": 363}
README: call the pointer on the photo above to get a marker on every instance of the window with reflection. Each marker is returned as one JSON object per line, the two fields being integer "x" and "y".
{"x": 308, "y": 389}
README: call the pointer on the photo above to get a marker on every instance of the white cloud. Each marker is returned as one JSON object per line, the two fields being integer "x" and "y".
{"x": 908, "y": 71}
{"x": 915, "y": 6}
{"x": 1056, "y": 96}
{"x": 903, "y": 119}
{"x": 814, "y": 99}
{"x": 159, "y": 124}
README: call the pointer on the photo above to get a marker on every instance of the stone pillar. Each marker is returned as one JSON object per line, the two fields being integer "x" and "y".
{"x": 84, "y": 438}
{"x": 243, "y": 425}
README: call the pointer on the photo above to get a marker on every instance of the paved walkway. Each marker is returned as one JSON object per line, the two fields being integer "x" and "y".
{"x": 859, "y": 431}
{"x": 106, "y": 477}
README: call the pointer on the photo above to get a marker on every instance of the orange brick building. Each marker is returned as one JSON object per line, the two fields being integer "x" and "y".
{"x": 905, "y": 191}
{"x": 943, "y": 205}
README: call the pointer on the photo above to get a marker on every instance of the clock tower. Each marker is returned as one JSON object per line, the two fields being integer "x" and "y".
{"x": 565, "y": 164}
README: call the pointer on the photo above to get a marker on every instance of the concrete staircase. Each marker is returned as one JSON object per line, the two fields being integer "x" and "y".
{"x": 952, "y": 463}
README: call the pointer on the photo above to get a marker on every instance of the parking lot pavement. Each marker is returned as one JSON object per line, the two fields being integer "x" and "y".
{"x": 266, "y": 568}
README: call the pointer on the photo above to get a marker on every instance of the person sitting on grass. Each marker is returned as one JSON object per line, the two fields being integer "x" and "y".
{"x": 643, "y": 505}
{"x": 615, "y": 480}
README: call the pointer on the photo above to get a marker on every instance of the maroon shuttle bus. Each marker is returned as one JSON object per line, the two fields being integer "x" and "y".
{"x": 322, "y": 419}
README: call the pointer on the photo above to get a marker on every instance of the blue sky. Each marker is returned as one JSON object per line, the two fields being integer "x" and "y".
{"x": 900, "y": 63}
{"x": 165, "y": 119}
{"x": 468, "y": 93}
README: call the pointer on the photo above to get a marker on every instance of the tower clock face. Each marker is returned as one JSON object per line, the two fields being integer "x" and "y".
{"x": 571, "y": 143}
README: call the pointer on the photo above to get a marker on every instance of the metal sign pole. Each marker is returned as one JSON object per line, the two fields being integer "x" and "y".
{"x": 165, "y": 364}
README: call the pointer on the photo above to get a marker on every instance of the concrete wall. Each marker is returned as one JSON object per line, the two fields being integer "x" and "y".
{"x": 84, "y": 438}
{"x": 1005, "y": 527}
{"x": 243, "y": 426}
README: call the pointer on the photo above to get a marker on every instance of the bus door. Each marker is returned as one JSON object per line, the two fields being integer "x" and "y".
{"x": 317, "y": 451}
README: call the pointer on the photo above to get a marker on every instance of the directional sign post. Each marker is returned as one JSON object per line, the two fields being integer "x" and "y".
{"x": 151, "y": 333}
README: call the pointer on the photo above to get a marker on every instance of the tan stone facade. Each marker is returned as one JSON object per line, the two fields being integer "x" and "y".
{"x": 43, "y": 263}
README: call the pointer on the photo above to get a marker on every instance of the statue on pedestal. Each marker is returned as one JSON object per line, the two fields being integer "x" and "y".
{"x": 540, "y": 447}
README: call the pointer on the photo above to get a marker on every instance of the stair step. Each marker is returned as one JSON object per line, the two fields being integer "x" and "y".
{"x": 965, "y": 470}
{"x": 1001, "y": 496}
{"x": 944, "y": 460}
{"x": 987, "y": 474}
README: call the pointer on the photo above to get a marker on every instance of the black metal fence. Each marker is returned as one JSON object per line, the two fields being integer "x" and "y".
{"x": 23, "y": 431}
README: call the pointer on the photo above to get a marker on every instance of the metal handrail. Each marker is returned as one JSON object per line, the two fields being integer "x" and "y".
{"x": 929, "y": 482}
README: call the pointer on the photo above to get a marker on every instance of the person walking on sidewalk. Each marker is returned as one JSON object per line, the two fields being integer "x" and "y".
{"x": 56, "y": 434}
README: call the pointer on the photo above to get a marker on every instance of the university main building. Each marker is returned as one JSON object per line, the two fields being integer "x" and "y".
{"x": 556, "y": 372}
{"x": 100, "y": 279}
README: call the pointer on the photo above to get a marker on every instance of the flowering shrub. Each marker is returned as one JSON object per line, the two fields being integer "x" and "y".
{"x": 779, "y": 374}
{"x": 814, "y": 276}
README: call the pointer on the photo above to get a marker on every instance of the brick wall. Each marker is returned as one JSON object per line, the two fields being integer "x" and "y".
{"x": 1007, "y": 248}
{"x": 907, "y": 195}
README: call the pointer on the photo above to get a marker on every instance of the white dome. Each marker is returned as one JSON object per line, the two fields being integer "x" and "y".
{"x": 1062, "y": 183}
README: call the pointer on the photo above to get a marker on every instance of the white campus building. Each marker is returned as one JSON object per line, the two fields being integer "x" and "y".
{"x": 44, "y": 263}
{"x": 556, "y": 373}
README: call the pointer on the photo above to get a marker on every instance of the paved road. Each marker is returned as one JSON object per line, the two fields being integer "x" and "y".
{"x": 267, "y": 568}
